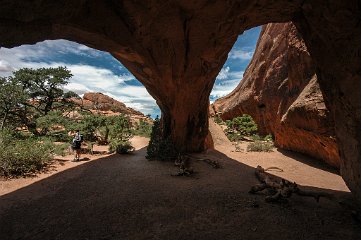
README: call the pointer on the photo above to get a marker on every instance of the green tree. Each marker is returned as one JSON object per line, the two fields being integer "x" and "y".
{"x": 45, "y": 123}
{"x": 31, "y": 93}
{"x": 120, "y": 134}
{"x": 244, "y": 124}
{"x": 11, "y": 98}
{"x": 239, "y": 127}
{"x": 120, "y": 128}
{"x": 43, "y": 85}
{"x": 71, "y": 94}
{"x": 158, "y": 147}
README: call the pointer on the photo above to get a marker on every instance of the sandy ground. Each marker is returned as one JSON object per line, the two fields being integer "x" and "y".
{"x": 128, "y": 197}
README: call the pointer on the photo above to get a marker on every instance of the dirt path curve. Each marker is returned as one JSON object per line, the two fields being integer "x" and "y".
{"x": 128, "y": 197}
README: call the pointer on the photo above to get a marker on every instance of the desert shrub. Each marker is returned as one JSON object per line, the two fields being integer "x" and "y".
{"x": 160, "y": 148}
{"x": 239, "y": 127}
{"x": 243, "y": 124}
{"x": 60, "y": 136}
{"x": 50, "y": 120}
{"x": 260, "y": 146}
{"x": 120, "y": 146}
{"x": 217, "y": 119}
{"x": 268, "y": 138}
{"x": 87, "y": 126}
{"x": 23, "y": 157}
{"x": 60, "y": 149}
{"x": 256, "y": 137}
{"x": 143, "y": 129}
{"x": 120, "y": 128}
{"x": 6, "y": 136}
{"x": 234, "y": 136}
{"x": 119, "y": 134}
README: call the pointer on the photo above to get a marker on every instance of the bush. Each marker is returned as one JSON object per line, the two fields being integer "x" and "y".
{"x": 60, "y": 149}
{"x": 260, "y": 146}
{"x": 245, "y": 125}
{"x": 234, "y": 136}
{"x": 217, "y": 119}
{"x": 160, "y": 148}
{"x": 60, "y": 136}
{"x": 22, "y": 158}
{"x": 120, "y": 147}
{"x": 239, "y": 127}
{"x": 143, "y": 129}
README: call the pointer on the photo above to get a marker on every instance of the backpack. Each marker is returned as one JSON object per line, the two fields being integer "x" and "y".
{"x": 77, "y": 143}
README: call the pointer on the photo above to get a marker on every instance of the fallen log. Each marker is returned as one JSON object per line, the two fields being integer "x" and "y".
{"x": 280, "y": 190}
{"x": 184, "y": 162}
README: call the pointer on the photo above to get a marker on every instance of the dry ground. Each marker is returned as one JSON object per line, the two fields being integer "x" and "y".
{"x": 128, "y": 197}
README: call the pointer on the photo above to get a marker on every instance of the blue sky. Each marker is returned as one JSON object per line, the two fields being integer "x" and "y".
{"x": 97, "y": 71}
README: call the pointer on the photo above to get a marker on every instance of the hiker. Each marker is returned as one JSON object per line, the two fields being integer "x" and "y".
{"x": 76, "y": 145}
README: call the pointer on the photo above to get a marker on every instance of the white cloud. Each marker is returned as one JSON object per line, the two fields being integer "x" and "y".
{"x": 86, "y": 78}
{"x": 223, "y": 74}
{"x": 227, "y": 74}
{"x": 5, "y": 66}
{"x": 224, "y": 89}
{"x": 240, "y": 54}
{"x": 227, "y": 81}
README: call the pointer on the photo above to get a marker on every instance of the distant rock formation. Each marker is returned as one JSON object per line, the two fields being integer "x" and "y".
{"x": 105, "y": 105}
{"x": 280, "y": 91}
{"x": 99, "y": 101}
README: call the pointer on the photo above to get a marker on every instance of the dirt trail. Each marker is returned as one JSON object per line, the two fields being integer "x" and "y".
{"x": 296, "y": 167}
{"x": 128, "y": 197}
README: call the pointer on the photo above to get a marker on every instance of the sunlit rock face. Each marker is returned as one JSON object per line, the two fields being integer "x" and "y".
{"x": 102, "y": 102}
{"x": 176, "y": 49}
{"x": 280, "y": 91}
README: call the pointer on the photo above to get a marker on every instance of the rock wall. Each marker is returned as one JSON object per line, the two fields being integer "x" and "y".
{"x": 280, "y": 91}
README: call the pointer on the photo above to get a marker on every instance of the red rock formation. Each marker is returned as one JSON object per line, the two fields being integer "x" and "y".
{"x": 99, "y": 101}
{"x": 176, "y": 49}
{"x": 280, "y": 91}
{"x": 105, "y": 105}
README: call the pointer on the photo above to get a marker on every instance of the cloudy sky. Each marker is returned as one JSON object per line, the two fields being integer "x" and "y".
{"x": 96, "y": 71}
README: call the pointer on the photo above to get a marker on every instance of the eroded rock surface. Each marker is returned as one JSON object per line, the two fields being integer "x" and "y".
{"x": 176, "y": 49}
{"x": 280, "y": 91}
{"x": 102, "y": 102}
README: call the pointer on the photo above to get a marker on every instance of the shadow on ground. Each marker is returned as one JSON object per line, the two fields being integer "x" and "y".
{"x": 128, "y": 197}
{"x": 309, "y": 161}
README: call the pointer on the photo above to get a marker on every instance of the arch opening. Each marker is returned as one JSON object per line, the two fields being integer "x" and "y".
{"x": 92, "y": 70}
{"x": 196, "y": 45}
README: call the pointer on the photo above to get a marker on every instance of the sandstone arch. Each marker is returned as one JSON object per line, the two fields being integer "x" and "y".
{"x": 176, "y": 48}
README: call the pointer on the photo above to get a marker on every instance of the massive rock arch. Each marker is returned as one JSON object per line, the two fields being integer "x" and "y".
{"x": 176, "y": 48}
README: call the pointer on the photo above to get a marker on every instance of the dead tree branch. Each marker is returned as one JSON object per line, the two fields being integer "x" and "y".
{"x": 280, "y": 190}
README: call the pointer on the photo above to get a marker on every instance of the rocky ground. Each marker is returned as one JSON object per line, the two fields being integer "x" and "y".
{"x": 129, "y": 197}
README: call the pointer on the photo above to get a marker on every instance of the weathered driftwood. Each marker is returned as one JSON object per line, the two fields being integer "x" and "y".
{"x": 280, "y": 190}
{"x": 184, "y": 162}
{"x": 213, "y": 163}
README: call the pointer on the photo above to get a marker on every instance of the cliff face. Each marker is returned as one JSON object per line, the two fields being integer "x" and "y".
{"x": 280, "y": 91}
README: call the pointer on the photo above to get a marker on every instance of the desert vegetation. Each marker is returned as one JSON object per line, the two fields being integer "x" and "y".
{"x": 38, "y": 119}
{"x": 244, "y": 129}
{"x": 160, "y": 148}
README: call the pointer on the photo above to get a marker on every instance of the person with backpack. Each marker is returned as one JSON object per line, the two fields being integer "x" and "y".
{"x": 76, "y": 145}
